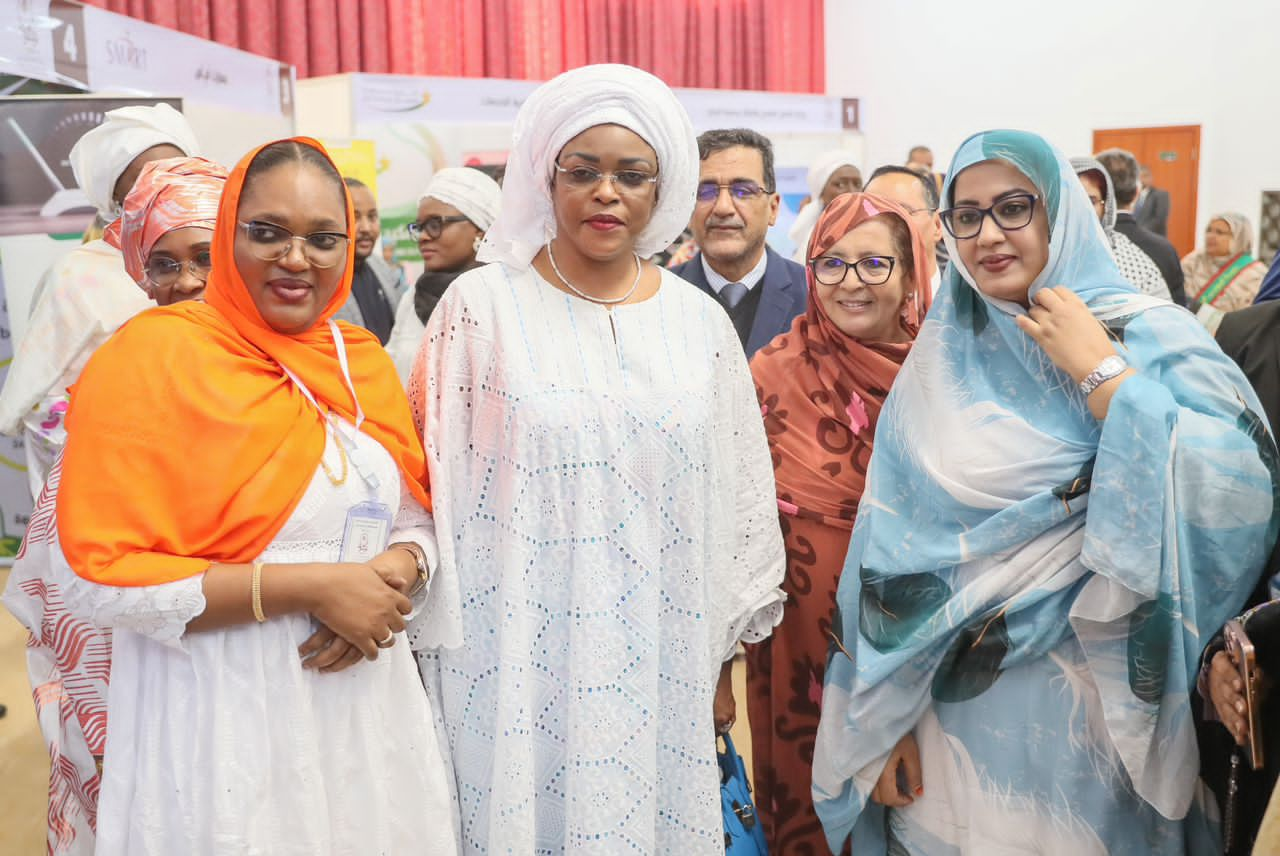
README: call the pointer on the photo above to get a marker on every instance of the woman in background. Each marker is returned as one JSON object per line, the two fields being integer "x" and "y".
{"x": 458, "y": 207}
{"x": 164, "y": 237}
{"x": 831, "y": 174}
{"x": 821, "y": 387}
{"x": 1224, "y": 275}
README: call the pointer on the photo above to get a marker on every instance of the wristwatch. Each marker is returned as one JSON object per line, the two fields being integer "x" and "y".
{"x": 1112, "y": 366}
{"x": 420, "y": 560}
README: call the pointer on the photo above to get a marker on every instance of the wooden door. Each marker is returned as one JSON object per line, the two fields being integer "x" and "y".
{"x": 1173, "y": 154}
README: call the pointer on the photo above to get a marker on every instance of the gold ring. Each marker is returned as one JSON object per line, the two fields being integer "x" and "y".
{"x": 389, "y": 641}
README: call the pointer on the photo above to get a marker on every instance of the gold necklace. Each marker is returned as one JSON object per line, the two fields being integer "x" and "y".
{"x": 336, "y": 481}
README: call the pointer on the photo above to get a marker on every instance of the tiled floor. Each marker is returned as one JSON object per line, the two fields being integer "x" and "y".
{"x": 24, "y": 766}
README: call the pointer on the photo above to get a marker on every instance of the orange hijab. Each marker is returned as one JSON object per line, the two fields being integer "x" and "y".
{"x": 821, "y": 390}
{"x": 187, "y": 442}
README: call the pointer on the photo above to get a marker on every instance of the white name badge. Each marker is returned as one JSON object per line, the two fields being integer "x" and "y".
{"x": 368, "y": 530}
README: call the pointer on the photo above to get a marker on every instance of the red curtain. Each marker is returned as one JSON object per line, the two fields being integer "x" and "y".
{"x": 716, "y": 44}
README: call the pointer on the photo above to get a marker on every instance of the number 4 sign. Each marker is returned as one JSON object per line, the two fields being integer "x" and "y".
{"x": 69, "y": 59}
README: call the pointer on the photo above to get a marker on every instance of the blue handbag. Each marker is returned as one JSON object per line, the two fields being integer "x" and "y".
{"x": 743, "y": 832}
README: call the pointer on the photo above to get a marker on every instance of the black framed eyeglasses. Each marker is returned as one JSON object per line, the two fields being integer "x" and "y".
{"x": 165, "y": 271}
{"x": 433, "y": 227}
{"x": 739, "y": 191}
{"x": 271, "y": 243}
{"x": 1010, "y": 213}
{"x": 870, "y": 270}
{"x": 587, "y": 177}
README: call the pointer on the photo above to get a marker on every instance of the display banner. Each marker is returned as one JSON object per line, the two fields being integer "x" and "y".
{"x": 15, "y": 495}
{"x": 356, "y": 159}
{"x": 401, "y": 98}
{"x": 127, "y": 55}
{"x": 97, "y": 50}
{"x": 38, "y": 192}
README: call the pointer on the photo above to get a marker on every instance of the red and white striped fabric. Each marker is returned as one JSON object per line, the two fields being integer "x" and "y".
{"x": 69, "y": 663}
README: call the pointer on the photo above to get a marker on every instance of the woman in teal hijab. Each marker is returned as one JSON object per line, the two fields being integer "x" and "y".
{"x": 1072, "y": 489}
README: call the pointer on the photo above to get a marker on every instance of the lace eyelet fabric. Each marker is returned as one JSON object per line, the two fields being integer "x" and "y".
{"x": 604, "y": 494}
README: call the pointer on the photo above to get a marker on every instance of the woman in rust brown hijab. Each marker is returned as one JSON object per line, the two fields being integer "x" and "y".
{"x": 821, "y": 386}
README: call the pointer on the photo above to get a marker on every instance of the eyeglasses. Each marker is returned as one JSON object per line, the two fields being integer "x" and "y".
{"x": 631, "y": 181}
{"x": 1010, "y": 213}
{"x": 271, "y": 243}
{"x": 740, "y": 191}
{"x": 871, "y": 270}
{"x": 433, "y": 227}
{"x": 915, "y": 211}
{"x": 165, "y": 272}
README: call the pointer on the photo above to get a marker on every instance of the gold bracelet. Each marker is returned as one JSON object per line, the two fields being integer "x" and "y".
{"x": 255, "y": 590}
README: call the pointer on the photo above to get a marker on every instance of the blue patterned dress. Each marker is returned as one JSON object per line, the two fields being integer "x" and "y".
{"x": 1028, "y": 589}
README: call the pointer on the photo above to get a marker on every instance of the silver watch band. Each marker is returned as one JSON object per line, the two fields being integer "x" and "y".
{"x": 1107, "y": 369}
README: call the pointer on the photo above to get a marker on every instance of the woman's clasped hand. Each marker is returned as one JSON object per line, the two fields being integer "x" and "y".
{"x": 357, "y": 605}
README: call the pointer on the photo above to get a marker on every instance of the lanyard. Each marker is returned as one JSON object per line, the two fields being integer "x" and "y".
{"x": 356, "y": 455}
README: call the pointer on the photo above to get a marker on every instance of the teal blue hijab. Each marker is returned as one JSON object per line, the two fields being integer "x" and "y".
{"x": 1003, "y": 523}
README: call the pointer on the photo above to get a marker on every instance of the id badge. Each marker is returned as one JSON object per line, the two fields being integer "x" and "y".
{"x": 367, "y": 532}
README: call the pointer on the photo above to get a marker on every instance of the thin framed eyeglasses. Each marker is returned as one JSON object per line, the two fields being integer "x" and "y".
{"x": 870, "y": 270}
{"x": 164, "y": 272}
{"x": 739, "y": 191}
{"x": 1010, "y": 213}
{"x": 433, "y": 227}
{"x": 631, "y": 181}
{"x": 271, "y": 243}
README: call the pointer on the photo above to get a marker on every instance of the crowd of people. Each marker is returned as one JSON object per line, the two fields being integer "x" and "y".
{"x": 327, "y": 563}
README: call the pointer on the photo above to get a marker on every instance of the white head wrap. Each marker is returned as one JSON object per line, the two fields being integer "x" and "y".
{"x": 561, "y": 109}
{"x": 469, "y": 190}
{"x": 823, "y": 167}
{"x": 101, "y": 156}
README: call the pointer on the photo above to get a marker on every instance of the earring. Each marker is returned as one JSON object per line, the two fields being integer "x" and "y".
{"x": 475, "y": 245}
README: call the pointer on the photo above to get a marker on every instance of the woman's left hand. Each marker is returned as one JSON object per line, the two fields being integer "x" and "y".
{"x": 725, "y": 708}
{"x": 1062, "y": 325}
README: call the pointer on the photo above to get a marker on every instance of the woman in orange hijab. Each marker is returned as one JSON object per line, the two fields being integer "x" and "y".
{"x": 821, "y": 386}
{"x": 249, "y": 513}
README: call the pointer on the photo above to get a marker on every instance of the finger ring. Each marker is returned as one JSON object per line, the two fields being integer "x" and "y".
{"x": 389, "y": 641}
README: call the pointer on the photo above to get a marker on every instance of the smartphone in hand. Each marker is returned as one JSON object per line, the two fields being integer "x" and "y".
{"x": 1245, "y": 657}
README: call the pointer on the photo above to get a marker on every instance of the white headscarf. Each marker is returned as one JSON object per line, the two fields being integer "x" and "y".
{"x": 823, "y": 167}
{"x": 101, "y": 156}
{"x": 469, "y": 190}
{"x": 561, "y": 109}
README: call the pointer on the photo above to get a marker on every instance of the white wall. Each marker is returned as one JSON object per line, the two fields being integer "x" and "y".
{"x": 933, "y": 72}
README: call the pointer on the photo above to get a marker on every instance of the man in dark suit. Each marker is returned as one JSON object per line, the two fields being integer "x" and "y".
{"x": 1123, "y": 169}
{"x": 1251, "y": 337}
{"x": 737, "y": 203}
{"x": 1152, "y": 206}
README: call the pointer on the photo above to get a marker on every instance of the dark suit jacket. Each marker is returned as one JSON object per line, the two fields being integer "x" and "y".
{"x": 785, "y": 295}
{"x": 1160, "y": 251}
{"x": 1153, "y": 211}
{"x": 1251, "y": 337}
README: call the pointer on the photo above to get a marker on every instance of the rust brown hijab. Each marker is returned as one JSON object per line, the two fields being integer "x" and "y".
{"x": 821, "y": 390}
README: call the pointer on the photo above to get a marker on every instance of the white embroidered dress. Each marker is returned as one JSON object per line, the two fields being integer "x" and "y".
{"x": 603, "y": 488}
{"x": 219, "y": 742}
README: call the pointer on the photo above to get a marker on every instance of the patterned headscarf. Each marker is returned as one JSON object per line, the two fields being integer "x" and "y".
{"x": 1241, "y": 232}
{"x": 101, "y": 156}
{"x": 822, "y": 168}
{"x": 820, "y": 387}
{"x": 169, "y": 194}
